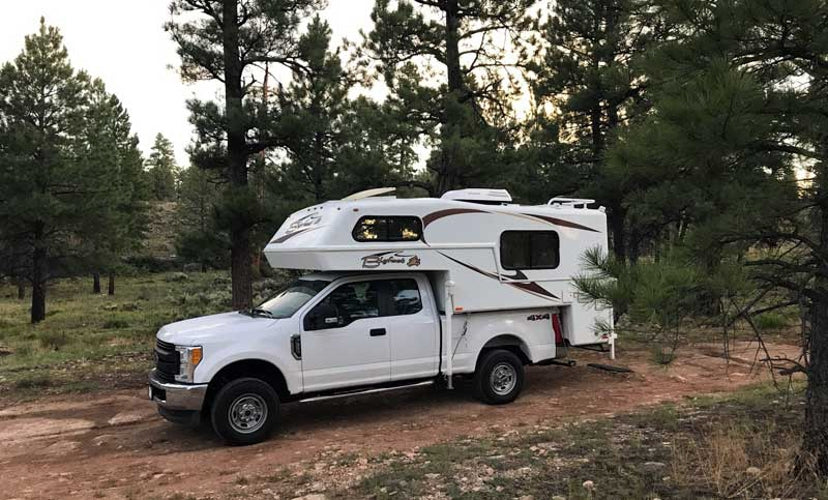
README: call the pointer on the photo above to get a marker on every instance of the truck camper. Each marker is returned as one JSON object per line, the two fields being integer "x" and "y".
{"x": 399, "y": 292}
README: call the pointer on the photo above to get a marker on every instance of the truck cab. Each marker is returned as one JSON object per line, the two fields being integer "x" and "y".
{"x": 324, "y": 335}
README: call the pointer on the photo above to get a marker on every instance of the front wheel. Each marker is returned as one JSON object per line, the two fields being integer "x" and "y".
{"x": 245, "y": 411}
{"x": 499, "y": 377}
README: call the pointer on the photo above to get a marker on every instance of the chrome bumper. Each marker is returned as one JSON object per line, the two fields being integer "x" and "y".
{"x": 176, "y": 396}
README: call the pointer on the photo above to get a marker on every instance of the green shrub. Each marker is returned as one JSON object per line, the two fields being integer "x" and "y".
{"x": 54, "y": 340}
{"x": 176, "y": 277}
{"x": 770, "y": 321}
{"x": 662, "y": 355}
{"x": 23, "y": 351}
{"x": 34, "y": 380}
{"x": 144, "y": 294}
{"x": 115, "y": 323}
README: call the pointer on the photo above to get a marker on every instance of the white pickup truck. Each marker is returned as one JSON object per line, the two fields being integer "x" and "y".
{"x": 329, "y": 334}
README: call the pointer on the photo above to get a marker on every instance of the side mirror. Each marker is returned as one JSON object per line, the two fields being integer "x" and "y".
{"x": 322, "y": 316}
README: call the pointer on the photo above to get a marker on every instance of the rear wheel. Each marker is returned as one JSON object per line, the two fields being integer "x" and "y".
{"x": 499, "y": 377}
{"x": 245, "y": 411}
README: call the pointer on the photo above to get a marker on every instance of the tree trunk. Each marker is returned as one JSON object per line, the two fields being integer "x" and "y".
{"x": 96, "y": 282}
{"x": 240, "y": 261}
{"x": 634, "y": 246}
{"x": 21, "y": 289}
{"x": 38, "y": 284}
{"x": 815, "y": 439}
{"x": 111, "y": 288}
{"x": 448, "y": 174}
{"x": 615, "y": 220}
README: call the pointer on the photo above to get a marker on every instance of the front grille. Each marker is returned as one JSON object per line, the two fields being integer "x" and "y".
{"x": 167, "y": 361}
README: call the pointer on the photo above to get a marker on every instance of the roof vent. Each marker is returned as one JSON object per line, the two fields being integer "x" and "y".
{"x": 479, "y": 195}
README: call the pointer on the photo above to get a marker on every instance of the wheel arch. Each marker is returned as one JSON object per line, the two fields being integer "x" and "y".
{"x": 256, "y": 368}
{"x": 509, "y": 342}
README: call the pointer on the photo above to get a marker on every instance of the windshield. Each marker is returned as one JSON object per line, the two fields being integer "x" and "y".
{"x": 288, "y": 301}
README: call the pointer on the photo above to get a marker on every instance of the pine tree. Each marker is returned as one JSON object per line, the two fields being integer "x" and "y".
{"x": 589, "y": 76}
{"x": 740, "y": 107}
{"x": 162, "y": 170}
{"x": 335, "y": 146}
{"x": 224, "y": 40}
{"x": 60, "y": 166}
{"x": 109, "y": 147}
{"x": 199, "y": 239}
{"x": 311, "y": 112}
{"x": 465, "y": 115}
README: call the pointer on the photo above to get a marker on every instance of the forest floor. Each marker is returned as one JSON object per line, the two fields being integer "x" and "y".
{"x": 92, "y": 341}
{"x": 574, "y": 433}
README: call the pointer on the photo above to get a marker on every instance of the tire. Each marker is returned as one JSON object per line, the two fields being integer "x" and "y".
{"x": 499, "y": 377}
{"x": 244, "y": 411}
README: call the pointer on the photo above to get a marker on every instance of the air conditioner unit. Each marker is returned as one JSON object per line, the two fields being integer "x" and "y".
{"x": 479, "y": 195}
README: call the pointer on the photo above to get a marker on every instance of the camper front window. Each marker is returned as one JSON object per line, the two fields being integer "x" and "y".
{"x": 387, "y": 228}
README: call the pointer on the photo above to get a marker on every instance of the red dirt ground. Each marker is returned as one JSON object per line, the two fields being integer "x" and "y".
{"x": 114, "y": 445}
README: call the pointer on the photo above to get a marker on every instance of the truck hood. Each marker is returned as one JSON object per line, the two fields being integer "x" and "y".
{"x": 202, "y": 330}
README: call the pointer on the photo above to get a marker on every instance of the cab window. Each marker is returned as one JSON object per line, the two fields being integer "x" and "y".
{"x": 365, "y": 299}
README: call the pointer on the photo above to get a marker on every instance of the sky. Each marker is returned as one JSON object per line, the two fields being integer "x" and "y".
{"x": 123, "y": 43}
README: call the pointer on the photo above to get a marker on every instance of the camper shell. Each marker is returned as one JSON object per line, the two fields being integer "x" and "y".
{"x": 466, "y": 243}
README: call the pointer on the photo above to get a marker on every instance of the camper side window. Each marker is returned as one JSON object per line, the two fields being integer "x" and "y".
{"x": 529, "y": 250}
{"x": 387, "y": 228}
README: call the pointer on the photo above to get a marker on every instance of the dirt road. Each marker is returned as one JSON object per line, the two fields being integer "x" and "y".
{"x": 113, "y": 444}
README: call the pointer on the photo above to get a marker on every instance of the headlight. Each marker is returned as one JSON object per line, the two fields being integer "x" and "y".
{"x": 190, "y": 358}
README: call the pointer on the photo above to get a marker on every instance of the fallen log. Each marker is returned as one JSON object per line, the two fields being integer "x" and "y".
{"x": 610, "y": 368}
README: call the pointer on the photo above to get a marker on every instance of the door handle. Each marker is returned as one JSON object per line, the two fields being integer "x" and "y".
{"x": 377, "y": 332}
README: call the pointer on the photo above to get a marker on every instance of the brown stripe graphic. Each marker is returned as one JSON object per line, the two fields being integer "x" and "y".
{"x": 288, "y": 236}
{"x": 533, "y": 287}
{"x": 530, "y": 287}
{"x": 562, "y": 222}
{"x": 433, "y": 216}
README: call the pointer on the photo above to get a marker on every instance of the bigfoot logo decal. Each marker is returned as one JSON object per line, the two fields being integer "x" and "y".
{"x": 302, "y": 225}
{"x": 376, "y": 260}
{"x": 304, "y": 222}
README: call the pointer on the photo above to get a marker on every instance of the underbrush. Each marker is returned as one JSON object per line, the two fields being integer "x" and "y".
{"x": 92, "y": 340}
{"x": 737, "y": 446}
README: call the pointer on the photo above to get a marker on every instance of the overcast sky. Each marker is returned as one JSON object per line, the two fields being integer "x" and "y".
{"x": 123, "y": 43}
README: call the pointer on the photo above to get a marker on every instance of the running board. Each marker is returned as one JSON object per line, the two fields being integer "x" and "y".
{"x": 367, "y": 391}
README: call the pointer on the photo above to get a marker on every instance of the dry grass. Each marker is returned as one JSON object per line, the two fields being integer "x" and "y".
{"x": 739, "y": 460}
{"x": 740, "y": 446}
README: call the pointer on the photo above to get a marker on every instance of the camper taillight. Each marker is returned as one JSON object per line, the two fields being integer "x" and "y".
{"x": 556, "y": 326}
